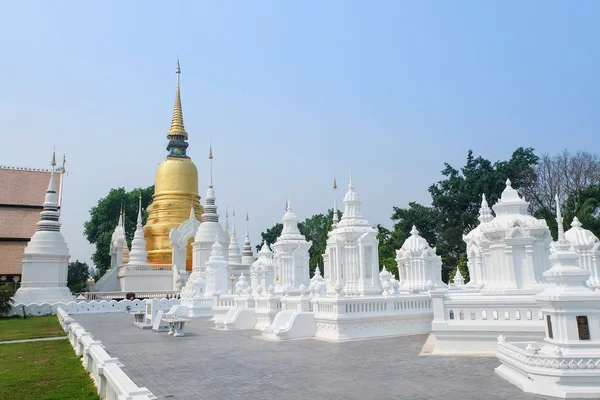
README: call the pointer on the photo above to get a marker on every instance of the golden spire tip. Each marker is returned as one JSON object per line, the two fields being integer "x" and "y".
{"x": 53, "y": 163}
{"x": 210, "y": 156}
{"x": 334, "y": 183}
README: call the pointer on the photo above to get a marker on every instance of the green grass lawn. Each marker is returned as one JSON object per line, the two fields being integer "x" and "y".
{"x": 30, "y": 328}
{"x": 43, "y": 371}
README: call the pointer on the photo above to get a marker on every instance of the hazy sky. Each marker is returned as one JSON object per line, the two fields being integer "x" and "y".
{"x": 291, "y": 91}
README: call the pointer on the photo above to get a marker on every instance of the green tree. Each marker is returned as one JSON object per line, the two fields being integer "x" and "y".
{"x": 585, "y": 205}
{"x": 77, "y": 276}
{"x": 270, "y": 236}
{"x": 6, "y": 299}
{"x": 315, "y": 229}
{"x": 104, "y": 217}
{"x": 462, "y": 266}
{"x": 387, "y": 249}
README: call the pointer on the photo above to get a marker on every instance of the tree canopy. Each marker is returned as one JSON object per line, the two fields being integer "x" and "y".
{"x": 77, "y": 276}
{"x": 104, "y": 217}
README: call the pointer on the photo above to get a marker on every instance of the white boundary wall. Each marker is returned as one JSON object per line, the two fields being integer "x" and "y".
{"x": 87, "y": 307}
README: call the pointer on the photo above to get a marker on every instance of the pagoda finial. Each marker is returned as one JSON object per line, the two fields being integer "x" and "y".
{"x": 286, "y": 204}
{"x": 508, "y": 183}
{"x": 335, "y": 210}
{"x": 177, "y": 134}
{"x": 559, "y": 221}
{"x": 247, "y": 219}
{"x": 139, "y": 218}
{"x": 210, "y": 158}
{"x": 53, "y": 162}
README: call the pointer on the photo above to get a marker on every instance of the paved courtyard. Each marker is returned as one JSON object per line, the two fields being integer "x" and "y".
{"x": 211, "y": 364}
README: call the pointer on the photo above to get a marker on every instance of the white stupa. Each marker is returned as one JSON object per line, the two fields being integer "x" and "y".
{"x": 353, "y": 261}
{"x": 262, "y": 270}
{"x": 235, "y": 256}
{"x": 209, "y": 228}
{"x": 138, "y": 254}
{"x": 587, "y": 245}
{"x": 291, "y": 256}
{"x": 418, "y": 265}
{"x": 216, "y": 270}
{"x": 566, "y": 363}
{"x": 46, "y": 257}
{"x": 247, "y": 252}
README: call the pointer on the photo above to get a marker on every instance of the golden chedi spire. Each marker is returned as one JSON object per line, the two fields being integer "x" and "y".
{"x": 177, "y": 127}
{"x": 176, "y": 186}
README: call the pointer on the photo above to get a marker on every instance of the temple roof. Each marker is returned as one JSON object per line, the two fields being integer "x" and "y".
{"x": 25, "y": 187}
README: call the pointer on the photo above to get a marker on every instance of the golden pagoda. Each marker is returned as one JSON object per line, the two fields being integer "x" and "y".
{"x": 176, "y": 189}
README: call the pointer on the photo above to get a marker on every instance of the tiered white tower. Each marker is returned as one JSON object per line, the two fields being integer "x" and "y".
{"x": 419, "y": 266}
{"x": 587, "y": 245}
{"x": 352, "y": 249}
{"x": 138, "y": 254}
{"x": 567, "y": 363}
{"x": 291, "y": 256}
{"x": 262, "y": 270}
{"x": 475, "y": 248}
{"x": 515, "y": 247}
{"x": 216, "y": 270}
{"x": 235, "y": 257}
{"x": 117, "y": 244}
{"x": 247, "y": 253}
{"x": 46, "y": 257}
{"x": 209, "y": 228}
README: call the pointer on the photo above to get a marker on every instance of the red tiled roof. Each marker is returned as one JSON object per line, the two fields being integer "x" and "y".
{"x": 16, "y": 222}
{"x": 11, "y": 257}
{"x": 23, "y": 187}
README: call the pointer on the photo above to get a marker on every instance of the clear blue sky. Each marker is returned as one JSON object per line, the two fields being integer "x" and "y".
{"x": 291, "y": 91}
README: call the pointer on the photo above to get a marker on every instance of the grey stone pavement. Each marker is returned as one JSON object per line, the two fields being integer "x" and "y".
{"x": 211, "y": 364}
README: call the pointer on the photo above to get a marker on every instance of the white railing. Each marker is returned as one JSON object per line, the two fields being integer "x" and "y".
{"x": 149, "y": 294}
{"x": 106, "y": 372}
{"x": 147, "y": 267}
{"x": 518, "y": 353}
{"x": 375, "y": 305}
{"x": 493, "y": 314}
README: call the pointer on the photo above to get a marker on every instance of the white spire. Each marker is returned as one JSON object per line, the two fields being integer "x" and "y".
{"x": 50, "y": 215}
{"x": 335, "y": 210}
{"x": 226, "y": 228}
{"x": 247, "y": 253}
{"x": 561, "y": 230}
{"x": 138, "y": 254}
{"x": 125, "y": 245}
{"x": 210, "y": 158}
{"x": 235, "y": 258}
{"x": 217, "y": 251}
{"x": 351, "y": 202}
{"x": 485, "y": 213}
{"x": 210, "y": 208}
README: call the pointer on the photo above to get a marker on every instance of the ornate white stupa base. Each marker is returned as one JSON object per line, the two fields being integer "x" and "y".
{"x": 39, "y": 295}
{"x": 198, "y": 306}
{"x": 549, "y": 375}
{"x": 469, "y": 323}
{"x": 347, "y": 318}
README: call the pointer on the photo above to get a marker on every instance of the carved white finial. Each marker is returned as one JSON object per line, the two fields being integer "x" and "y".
{"x": 508, "y": 183}
{"x": 414, "y": 231}
{"x": 576, "y": 223}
